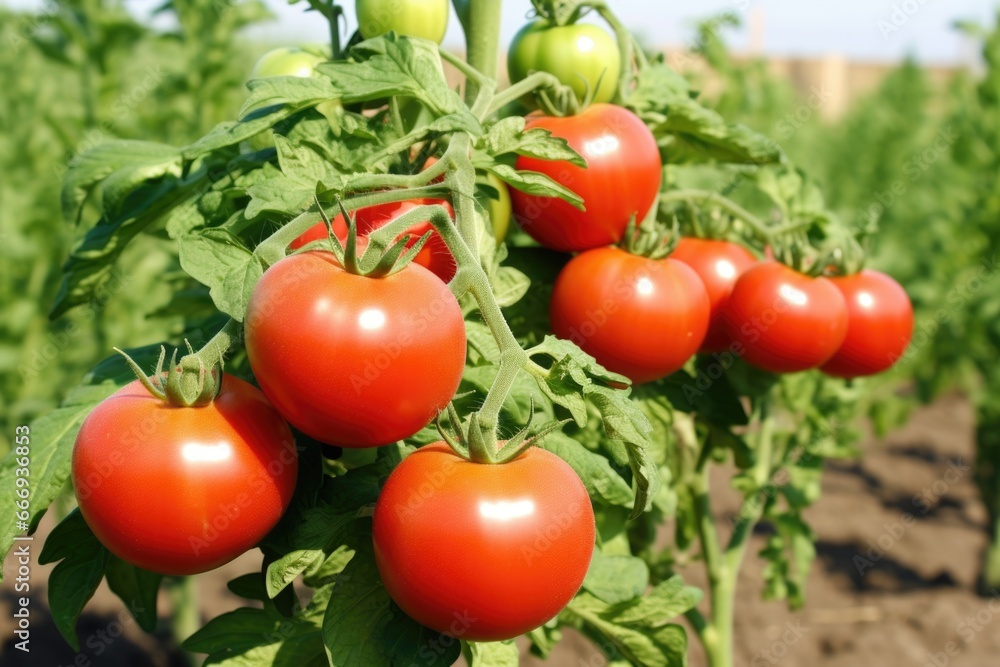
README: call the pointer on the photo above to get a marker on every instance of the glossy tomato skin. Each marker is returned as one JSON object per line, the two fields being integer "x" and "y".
{"x": 719, "y": 264}
{"x": 879, "y": 325}
{"x": 492, "y": 551}
{"x": 568, "y": 53}
{"x": 183, "y": 490}
{"x": 622, "y": 179}
{"x": 416, "y": 18}
{"x": 434, "y": 255}
{"x": 639, "y": 317}
{"x": 784, "y": 321}
{"x": 354, "y": 361}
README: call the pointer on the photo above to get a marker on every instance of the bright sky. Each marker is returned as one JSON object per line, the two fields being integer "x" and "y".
{"x": 800, "y": 27}
{"x": 861, "y": 29}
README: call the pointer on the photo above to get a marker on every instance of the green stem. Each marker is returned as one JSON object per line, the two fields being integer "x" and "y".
{"x": 482, "y": 41}
{"x": 214, "y": 351}
{"x": 626, "y": 46}
{"x": 186, "y": 613}
{"x": 334, "y": 18}
{"x": 272, "y": 249}
{"x": 523, "y": 87}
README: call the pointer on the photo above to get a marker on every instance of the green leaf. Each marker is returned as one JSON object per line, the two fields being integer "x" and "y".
{"x": 280, "y": 194}
{"x": 354, "y": 627}
{"x": 493, "y": 654}
{"x": 137, "y": 589}
{"x": 508, "y": 136}
{"x": 287, "y": 93}
{"x": 509, "y": 286}
{"x": 75, "y": 579}
{"x": 615, "y": 579}
{"x": 389, "y": 66}
{"x": 130, "y": 162}
{"x": 409, "y": 643}
{"x": 256, "y": 637}
{"x": 639, "y": 629}
{"x": 604, "y": 485}
{"x": 284, "y": 570}
{"x": 218, "y": 259}
{"x": 90, "y": 269}
{"x": 231, "y": 133}
{"x": 575, "y": 372}
{"x": 536, "y": 184}
{"x": 688, "y": 131}
{"x": 52, "y": 438}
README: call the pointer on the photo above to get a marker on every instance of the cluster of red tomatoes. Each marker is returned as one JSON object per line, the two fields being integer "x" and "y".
{"x": 644, "y": 318}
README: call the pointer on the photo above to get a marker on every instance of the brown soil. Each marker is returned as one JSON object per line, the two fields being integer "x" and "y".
{"x": 908, "y": 602}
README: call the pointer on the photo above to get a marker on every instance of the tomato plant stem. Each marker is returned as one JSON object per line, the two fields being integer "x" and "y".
{"x": 482, "y": 41}
{"x": 531, "y": 83}
{"x": 186, "y": 615}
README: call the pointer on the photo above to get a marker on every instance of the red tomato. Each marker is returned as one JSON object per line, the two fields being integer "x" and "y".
{"x": 639, "y": 317}
{"x": 718, "y": 264}
{"x": 434, "y": 255}
{"x": 784, "y": 321}
{"x": 183, "y": 490}
{"x": 879, "y": 325}
{"x": 350, "y": 360}
{"x": 621, "y": 180}
{"x": 483, "y": 552}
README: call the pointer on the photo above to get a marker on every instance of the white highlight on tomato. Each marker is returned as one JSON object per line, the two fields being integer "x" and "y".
{"x": 796, "y": 297}
{"x": 195, "y": 452}
{"x": 866, "y": 300}
{"x": 371, "y": 319}
{"x": 725, "y": 269}
{"x": 644, "y": 286}
{"x": 602, "y": 145}
{"x": 506, "y": 510}
{"x": 585, "y": 44}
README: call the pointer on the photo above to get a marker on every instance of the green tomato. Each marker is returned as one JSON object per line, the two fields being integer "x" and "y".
{"x": 286, "y": 61}
{"x": 579, "y": 55}
{"x": 493, "y": 195}
{"x": 416, "y": 18}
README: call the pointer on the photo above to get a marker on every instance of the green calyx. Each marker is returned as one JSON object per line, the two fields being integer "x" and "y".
{"x": 189, "y": 384}
{"x": 478, "y": 444}
{"x": 651, "y": 239}
{"x": 379, "y": 257}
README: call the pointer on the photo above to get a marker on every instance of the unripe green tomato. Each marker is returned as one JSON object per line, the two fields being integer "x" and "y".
{"x": 497, "y": 205}
{"x": 579, "y": 55}
{"x": 415, "y": 18}
{"x": 286, "y": 61}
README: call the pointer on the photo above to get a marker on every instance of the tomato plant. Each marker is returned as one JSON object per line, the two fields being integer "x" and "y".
{"x": 417, "y": 18}
{"x": 433, "y": 256}
{"x": 620, "y": 180}
{"x": 334, "y": 350}
{"x": 216, "y": 477}
{"x": 719, "y": 264}
{"x": 606, "y": 296}
{"x": 493, "y": 551}
{"x": 582, "y": 56}
{"x": 586, "y": 367}
{"x": 879, "y": 325}
{"x": 784, "y": 321}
